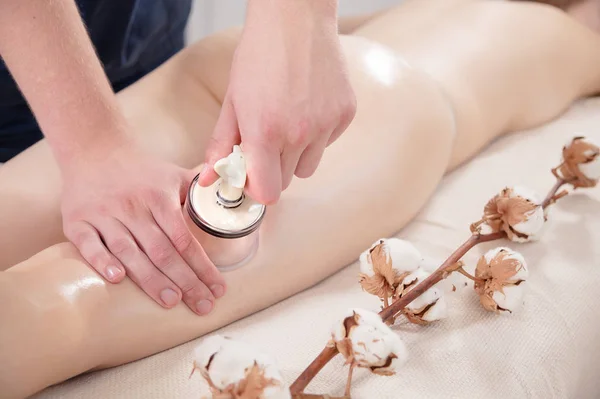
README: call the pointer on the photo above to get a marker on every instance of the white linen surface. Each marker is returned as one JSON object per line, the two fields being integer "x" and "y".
{"x": 549, "y": 350}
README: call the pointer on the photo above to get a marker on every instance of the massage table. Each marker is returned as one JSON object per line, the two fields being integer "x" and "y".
{"x": 550, "y": 349}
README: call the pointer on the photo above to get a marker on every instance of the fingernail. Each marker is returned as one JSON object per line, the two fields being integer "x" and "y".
{"x": 217, "y": 290}
{"x": 112, "y": 272}
{"x": 203, "y": 306}
{"x": 169, "y": 297}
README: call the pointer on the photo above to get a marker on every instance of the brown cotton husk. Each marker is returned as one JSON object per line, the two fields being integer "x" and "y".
{"x": 254, "y": 384}
{"x": 344, "y": 346}
{"x": 385, "y": 279}
{"x": 383, "y": 370}
{"x": 578, "y": 152}
{"x": 501, "y": 268}
{"x": 233, "y": 370}
{"x": 251, "y": 387}
{"x": 502, "y": 212}
{"x": 403, "y": 288}
{"x": 496, "y": 275}
{"x": 365, "y": 341}
{"x": 417, "y": 316}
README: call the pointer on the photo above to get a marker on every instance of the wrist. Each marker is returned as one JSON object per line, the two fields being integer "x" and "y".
{"x": 81, "y": 144}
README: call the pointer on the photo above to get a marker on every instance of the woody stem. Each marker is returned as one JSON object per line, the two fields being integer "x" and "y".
{"x": 396, "y": 307}
{"x": 399, "y": 304}
{"x": 492, "y": 217}
{"x": 328, "y": 353}
{"x": 552, "y": 197}
{"x": 349, "y": 382}
{"x": 469, "y": 275}
{"x": 386, "y": 301}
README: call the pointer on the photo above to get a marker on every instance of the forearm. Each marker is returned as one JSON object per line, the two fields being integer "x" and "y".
{"x": 296, "y": 23}
{"x": 47, "y": 49}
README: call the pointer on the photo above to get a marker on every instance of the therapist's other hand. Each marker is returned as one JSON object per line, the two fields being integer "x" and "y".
{"x": 122, "y": 210}
{"x": 288, "y": 98}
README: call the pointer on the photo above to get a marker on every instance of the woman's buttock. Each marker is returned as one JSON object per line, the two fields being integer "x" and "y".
{"x": 401, "y": 115}
{"x": 391, "y": 94}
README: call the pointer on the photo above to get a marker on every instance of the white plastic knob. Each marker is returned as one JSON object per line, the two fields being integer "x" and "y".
{"x": 232, "y": 170}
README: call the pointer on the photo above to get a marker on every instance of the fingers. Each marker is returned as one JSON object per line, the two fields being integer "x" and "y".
{"x": 158, "y": 253}
{"x": 165, "y": 258}
{"x": 171, "y": 221}
{"x": 140, "y": 269}
{"x": 225, "y": 135}
{"x": 87, "y": 240}
{"x": 338, "y": 132}
{"x": 263, "y": 165}
{"x": 289, "y": 162}
{"x": 310, "y": 159}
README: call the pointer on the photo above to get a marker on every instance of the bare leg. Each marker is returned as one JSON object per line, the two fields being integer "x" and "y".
{"x": 61, "y": 319}
{"x": 585, "y": 11}
{"x": 499, "y": 80}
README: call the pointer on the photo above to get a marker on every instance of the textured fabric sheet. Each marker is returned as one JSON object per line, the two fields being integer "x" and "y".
{"x": 550, "y": 350}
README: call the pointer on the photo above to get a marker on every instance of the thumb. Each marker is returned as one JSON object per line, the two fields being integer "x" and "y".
{"x": 263, "y": 166}
{"x": 225, "y": 135}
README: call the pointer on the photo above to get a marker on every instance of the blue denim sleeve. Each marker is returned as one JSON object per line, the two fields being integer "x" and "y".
{"x": 131, "y": 38}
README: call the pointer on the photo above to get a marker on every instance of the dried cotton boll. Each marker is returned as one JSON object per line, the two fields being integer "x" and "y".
{"x": 504, "y": 273}
{"x": 580, "y": 163}
{"x": 207, "y": 348}
{"x": 385, "y": 264}
{"x": 233, "y": 369}
{"x": 453, "y": 283}
{"x": 275, "y": 391}
{"x": 534, "y": 221}
{"x": 427, "y": 307}
{"x": 510, "y": 298}
{"x": 365, "y": 340}
{"x": 515, "y": 210}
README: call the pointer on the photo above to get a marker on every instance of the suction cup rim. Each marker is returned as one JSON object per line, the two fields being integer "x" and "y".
{"x": 214, "y": 230}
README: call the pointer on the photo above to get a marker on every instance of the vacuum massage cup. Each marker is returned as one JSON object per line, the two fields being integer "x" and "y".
{"x": 222, "y": 218}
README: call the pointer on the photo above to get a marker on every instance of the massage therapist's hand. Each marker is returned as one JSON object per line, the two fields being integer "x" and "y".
{"x": 289, "y": 95}
{"x": 122, "y": 210}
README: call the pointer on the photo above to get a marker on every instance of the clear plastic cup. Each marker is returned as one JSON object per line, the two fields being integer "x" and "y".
{"x": 228, "y": 249}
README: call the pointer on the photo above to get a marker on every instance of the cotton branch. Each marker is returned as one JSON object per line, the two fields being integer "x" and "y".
{"x": 552, "y": 196}
{"x": 329, "y": 353}
{"x": 579, "y": 152}
{"x": 437, "y": 276}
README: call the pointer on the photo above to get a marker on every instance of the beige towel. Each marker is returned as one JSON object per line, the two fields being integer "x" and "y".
{"x": 550, "y": 350}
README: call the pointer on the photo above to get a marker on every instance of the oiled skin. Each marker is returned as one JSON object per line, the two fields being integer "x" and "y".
{"x": 435, "y": 82}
